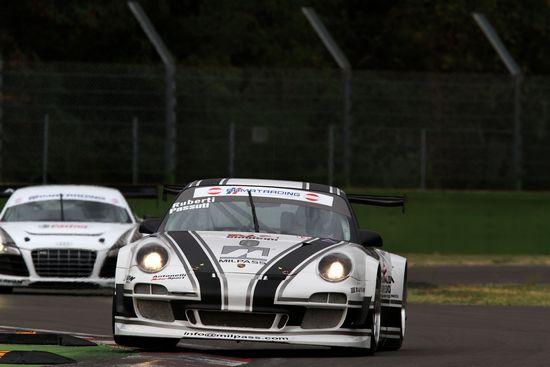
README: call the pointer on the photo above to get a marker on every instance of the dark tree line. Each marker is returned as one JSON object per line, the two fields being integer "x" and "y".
{"x": 418, "y": 35}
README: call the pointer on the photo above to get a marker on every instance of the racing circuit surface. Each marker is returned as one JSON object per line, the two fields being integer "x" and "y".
{"x": 437, "y": 335}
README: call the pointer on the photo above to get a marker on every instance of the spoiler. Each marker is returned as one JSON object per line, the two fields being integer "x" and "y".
{"x": 171, "y": 189}
{"x": 378, "y": 200}
{"x": 138, "y": 191}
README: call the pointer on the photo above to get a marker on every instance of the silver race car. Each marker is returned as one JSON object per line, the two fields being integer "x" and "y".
{"x": 263, "y": 261}
{"x": 63, "y": 235}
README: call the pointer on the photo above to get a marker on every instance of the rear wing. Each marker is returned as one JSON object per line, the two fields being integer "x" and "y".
{"x": 171, "y": 189}
{"x": 378, "y": 200}
{"x": 128, "y": 191}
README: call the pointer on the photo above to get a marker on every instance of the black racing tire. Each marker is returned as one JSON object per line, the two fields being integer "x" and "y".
{"x": 140, "y": 341}
{"x": 392, "y": 344}
{"x": 6, "y": 290}
{"x": 376, "y": 317}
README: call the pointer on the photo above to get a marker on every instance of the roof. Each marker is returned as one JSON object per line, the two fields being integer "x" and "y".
{"x": 309, "y": 186}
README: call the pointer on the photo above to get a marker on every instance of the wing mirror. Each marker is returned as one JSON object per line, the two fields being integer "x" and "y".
{"x": 149, "y": 225}
{"x": 370, "y": 238}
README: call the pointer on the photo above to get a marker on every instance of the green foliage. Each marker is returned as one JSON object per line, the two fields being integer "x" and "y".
{"x": 375, "y": 34}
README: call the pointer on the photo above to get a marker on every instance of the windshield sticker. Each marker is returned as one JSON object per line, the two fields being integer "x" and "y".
{"x": 191, "y": 205}
{"x": 261, "y": 237}
{"x": 67, "y": 197}
{"x": 266, "y": 192}
{"x": 62, "y": 225}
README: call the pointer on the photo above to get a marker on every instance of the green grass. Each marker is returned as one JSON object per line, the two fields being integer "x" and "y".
{"x": 493, "y": 295}
{"x": 464, "y": 223}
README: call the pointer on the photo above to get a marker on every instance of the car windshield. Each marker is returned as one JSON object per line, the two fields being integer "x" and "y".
{"x": 73, "y": 211}
{"x": 282, "y": 211}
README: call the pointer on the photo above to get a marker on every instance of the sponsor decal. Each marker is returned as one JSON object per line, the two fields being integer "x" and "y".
{"x": 231, "y": 260}
{"x": 11, "y": 281}
{"x": 208, "y": 334}
{"x": 130, "y": 278}
{"x": 64, "y": 226}
{"x": 245, "y": 248}
{"x": 214, "y": 191}
{"x": 357, "y": 290}
{"x": 191, "y": 205}
{"x": 169, "y": 277}
{"x": 259, "y": 237}
{"x": 312, "y": 197}
{"x": 266, "y": 192}
{"x": 67, "y": 197}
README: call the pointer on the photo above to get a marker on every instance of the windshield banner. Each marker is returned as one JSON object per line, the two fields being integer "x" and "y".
{"x": 265, "y": 192}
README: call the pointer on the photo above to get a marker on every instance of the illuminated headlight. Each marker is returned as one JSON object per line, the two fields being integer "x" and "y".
{"x": 152, "y": 258}
{"x": 7, "y": 245}
{"x": 335, "y": 267}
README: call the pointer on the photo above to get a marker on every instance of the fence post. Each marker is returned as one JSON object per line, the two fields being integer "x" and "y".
{"x": 330, "y": 162}
{"x": 45, "y": 150}
{"x": 1, "y": 118}
{"x": 135, "y": 149}
{"x": 518, "y": 139}
{"x": 232, "y": 149}
{"x": 423, "y": 159}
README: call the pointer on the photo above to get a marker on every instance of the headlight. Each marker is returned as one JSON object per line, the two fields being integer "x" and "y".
{"x": 7, "y": 244}
{"x": 152, "y": 258}
{"x": 335, "y": 267}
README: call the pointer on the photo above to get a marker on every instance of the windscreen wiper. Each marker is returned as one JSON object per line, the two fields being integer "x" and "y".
{"x": 254, "y": 217}
{"x": 61, "y": 206}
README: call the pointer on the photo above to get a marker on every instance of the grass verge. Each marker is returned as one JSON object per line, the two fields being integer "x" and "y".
{"x": 492, "y": 295}
{"x": 474, "y": 260}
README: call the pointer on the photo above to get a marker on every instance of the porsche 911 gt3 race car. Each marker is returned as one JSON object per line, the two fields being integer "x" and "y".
{"x": 63, "y": 235}
{"x": 263, "y": 261}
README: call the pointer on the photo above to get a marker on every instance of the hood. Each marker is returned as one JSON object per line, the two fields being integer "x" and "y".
{"x": 247, "y": 253}
{"x": 31, "y": 235}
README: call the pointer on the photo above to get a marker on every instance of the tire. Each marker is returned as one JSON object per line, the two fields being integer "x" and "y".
{"x": 6, "y": 290}
{"x": 392, "y": 344}
{"x": 140, "y": 341}
{"x": 376, "y": 318}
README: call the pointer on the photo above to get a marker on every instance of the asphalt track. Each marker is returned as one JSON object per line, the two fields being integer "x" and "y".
{"x": 437, "y": 335}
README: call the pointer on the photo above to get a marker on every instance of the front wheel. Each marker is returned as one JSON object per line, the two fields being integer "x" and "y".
{"x": 396, "y": 342}
{"x": 376, "y": 318}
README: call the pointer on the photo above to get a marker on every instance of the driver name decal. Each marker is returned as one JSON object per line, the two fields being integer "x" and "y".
{"x": 191, "y": 205}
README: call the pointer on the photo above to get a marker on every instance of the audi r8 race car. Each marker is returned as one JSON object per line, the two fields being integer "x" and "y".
{"x": 63, "y": 235}
{"x": 263, "y": 261}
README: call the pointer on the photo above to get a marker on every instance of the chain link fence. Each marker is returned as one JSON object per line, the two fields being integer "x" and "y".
{"x": 106, "y": 125}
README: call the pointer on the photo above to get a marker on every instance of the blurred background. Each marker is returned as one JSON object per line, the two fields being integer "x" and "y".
{"x": 422, "y": 104}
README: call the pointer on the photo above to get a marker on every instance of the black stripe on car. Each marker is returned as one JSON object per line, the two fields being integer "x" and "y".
{"x": 209, "y": 283}
{"x": 263, "y": 294}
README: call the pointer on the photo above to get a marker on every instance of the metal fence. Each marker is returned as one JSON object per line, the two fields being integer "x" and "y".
{"x": 106, "y": 125}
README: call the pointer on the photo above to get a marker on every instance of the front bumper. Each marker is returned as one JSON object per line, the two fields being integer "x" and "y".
{"x": 355, "y": 338}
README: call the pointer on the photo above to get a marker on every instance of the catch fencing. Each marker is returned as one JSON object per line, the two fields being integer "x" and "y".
{"x": 105, "y": 124}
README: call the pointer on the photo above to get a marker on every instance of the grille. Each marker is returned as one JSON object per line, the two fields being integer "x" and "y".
{"x": 64, "y": 263}
{"x": 155, "y": 310}
{"x": 320, "y": 318}
{"x": 237, "y": 319}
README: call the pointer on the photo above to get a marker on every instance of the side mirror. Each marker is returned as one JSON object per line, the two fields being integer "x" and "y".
{"x": 149, "y": 225}
{"x": 370, "y": 238}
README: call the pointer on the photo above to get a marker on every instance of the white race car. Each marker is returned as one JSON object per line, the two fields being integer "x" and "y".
{"x": 66, "y": 235}
{"x": 263, "y": 261}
